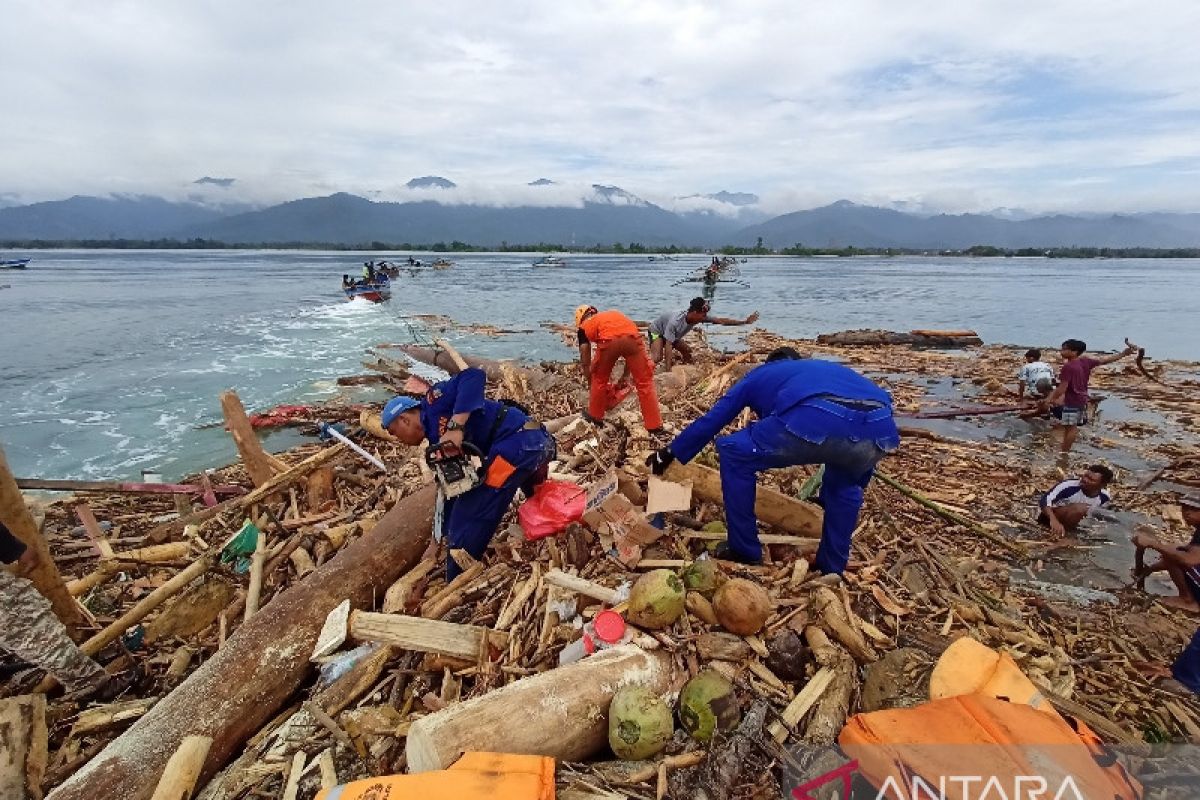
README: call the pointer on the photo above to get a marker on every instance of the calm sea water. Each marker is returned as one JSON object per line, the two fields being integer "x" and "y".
{"x": 111, "y": 362}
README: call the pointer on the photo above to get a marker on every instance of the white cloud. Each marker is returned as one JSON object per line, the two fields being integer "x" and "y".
{"x": 970, "y": 105}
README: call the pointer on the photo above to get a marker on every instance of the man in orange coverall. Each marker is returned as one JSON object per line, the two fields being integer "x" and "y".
{"x": 615, "y": 336}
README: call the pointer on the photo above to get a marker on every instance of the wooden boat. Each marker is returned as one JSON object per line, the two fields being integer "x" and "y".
{"x": 442, "y": 263}
{"x": 14, "y": 263}
{"x": 550, "y": 261}
{"x": 376, "y": 292}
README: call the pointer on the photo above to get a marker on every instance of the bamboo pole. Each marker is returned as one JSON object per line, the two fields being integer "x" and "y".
{"x": 43, "y": 574}
{"x": 946, "y": 513}
{"x": 139, "y": 612}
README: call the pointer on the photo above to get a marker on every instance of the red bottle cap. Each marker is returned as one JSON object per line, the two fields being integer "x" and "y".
{"x": 609, "y": 626}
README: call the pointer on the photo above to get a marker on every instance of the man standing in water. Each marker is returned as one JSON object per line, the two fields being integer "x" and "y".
{"x": 1068, "y": 402}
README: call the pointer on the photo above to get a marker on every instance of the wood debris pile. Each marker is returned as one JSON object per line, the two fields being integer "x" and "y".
{"x": 946, "y": 547}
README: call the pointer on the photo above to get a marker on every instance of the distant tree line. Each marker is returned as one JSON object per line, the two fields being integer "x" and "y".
{"x": 616, "y": 248}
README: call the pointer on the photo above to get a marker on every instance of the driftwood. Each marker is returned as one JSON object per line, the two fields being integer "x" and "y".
{"x": 182, "y": 770}
{"x": 123, "y": 487}
{"x": 919, "y": 338}
{"x": 560, "y": 713}
{"x": 238, "y": 689}
{"x": 23, "y": 749}
{"x": 771, "y": 506}
{"x": 44, "y": 574}
{"x": 443, "y": 360}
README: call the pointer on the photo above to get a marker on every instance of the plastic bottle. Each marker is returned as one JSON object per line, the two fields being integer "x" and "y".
{"x": 607, "y": 630}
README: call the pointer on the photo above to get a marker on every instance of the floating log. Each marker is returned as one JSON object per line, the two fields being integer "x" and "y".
{"x": 239, "y": 688}
{"x": 559, "y": 713}
{"x": 771, "y": 507}
{"x": 23, "y": 747}
{"x": 443, "y": 360}
{"x": 918, "y": 338}
{"x": 124, "y": 487}
{"x": 44, "y": 575}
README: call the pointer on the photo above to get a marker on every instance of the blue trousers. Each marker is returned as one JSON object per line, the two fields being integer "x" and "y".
{"x": 849, "y": 464}
{"x": 1187, "y": 666}
{"x": 515, "y": 462}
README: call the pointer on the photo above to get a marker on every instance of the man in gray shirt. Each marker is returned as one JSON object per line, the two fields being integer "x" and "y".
{"x": 667, "y": 332}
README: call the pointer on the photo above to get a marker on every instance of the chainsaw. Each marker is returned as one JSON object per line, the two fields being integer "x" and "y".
{"x": 456, "y": 468}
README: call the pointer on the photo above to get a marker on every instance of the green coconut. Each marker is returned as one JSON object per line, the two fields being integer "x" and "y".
{"x": 707, "y": 704}
{"x": 639, "y": 723}
{"x": 703, "y": 576}
{"x": 742, "y": 606}
{"x": 656, "y": 599}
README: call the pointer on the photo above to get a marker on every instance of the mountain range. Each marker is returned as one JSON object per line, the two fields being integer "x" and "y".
{"x": 608, "y": 214}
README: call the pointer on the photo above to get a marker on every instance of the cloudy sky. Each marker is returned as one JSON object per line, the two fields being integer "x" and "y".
{"x": 948, "y": 105}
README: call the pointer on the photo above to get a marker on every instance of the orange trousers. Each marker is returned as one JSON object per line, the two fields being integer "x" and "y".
{"x": 633, "y": 350}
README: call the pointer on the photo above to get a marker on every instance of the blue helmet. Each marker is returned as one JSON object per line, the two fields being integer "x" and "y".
{"x": 395, "y": 407}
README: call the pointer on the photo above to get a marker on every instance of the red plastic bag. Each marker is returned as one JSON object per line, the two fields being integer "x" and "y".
{"x": 614, "y": 393}
{"x": 554, "y": 505}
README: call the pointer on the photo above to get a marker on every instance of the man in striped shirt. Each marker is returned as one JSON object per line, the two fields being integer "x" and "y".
{"x": 1181, "y": 563}
{"x": 1065, "y": 506}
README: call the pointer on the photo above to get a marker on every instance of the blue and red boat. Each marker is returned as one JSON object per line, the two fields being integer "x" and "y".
{"x": 375, "y": 291}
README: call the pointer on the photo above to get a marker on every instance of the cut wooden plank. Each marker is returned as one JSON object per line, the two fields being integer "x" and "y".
{"x": 582, "y": 586}
{"x": 570, "y": 701}
{"x": 260, "y": 466}
{"x": 424, "y": 635}
{"x": 292, "y": 787}
{"x": 42, "y": 573}
{"x": 92, "y": 528}
{"x": 770, "y": 506}
{"x": 804, "y": 700}
{"x": 663, "y": 495}
{"x": 23, "y": 746}
{"x": 243, "y": 684}
{"x": 183, "y": 769}
{"x": 100, "y": 717}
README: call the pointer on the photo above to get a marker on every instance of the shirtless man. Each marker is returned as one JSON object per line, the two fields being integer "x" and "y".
{"x": 1181, "y": 563}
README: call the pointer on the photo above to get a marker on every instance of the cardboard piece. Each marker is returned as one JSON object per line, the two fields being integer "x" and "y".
{"x": 626, "y": 523}
{"x": 663, "y": 495}
{"x": 600, "y": 491}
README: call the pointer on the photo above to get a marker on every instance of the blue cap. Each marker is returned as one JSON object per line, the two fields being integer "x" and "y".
{"x": 395, "y": 407}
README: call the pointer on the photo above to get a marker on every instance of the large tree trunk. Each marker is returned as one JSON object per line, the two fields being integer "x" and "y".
{"x": 561, "y": 713}
{"x": 45, "y": 575}
{"x": 237, "y": 690}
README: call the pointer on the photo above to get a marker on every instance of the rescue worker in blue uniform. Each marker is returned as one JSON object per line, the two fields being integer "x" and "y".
{"x": 517, "y": 452}
{"x": 809, "y": 412}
